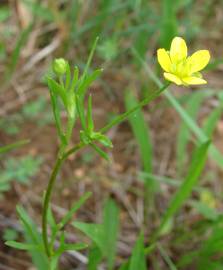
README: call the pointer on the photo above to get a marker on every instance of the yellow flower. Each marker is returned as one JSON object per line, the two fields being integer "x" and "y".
{"x": 180, "y": 68}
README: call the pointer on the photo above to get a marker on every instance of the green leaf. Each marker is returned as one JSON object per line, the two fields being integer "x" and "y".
{"x": 124, "y": 266}
{"x": 73, "y": 209}
{"x": 81, "y": 112}
{"x": 168, "y": 27}
{"x": 166, "y": 258}
{"x": 51, "y": 219}
{"x": 211, "y": 121}
{"x": 90, "y": 122}
{"x": 33, "y": 237}
{"x": 10, "y": 234}
{"x": 111, "y": 228}
{"x": 56, "y": 113}
{"x": 22, "y": 246}
{"x": 14, "y": 58}
{"x": 12, "y": 146}
{"x": 138, "y": 260}
{"x": 184, "y": 191}
{"x": 77, "y": 246}
{"x": 184, "y": 135}
{"x": 5, "y": 13}
{"x": 87, "y": 81}
{"x": 202, "y": 137}
{"x": 58, "y": 89}
{"x": 140, "y": 131}
{"x": 21, "y": 170}
{"x": 24, "y": 218}
{"x": 104, "y": 140}
{"x": 68, "y": 77}
{"x": 75, "y": 79}
{"x": 94, "y": 231}
{"x": 90, "y": 57}
{"x": 94, "y": 258}
{"x": 100, "y": 151}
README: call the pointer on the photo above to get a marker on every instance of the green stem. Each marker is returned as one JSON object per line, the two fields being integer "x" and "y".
{"x": 46, "y": 203}
{"x": 141, "y": 104}
{"x": 48, "y": 193}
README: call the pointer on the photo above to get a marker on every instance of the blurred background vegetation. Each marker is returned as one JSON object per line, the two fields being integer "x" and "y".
{"x": 153, "y": 149}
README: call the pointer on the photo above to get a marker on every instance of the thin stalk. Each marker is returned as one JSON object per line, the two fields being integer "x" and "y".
{"x": 141, "y": 104}
{"x": 46, "y": 203}
{"x": 47, "y": 197}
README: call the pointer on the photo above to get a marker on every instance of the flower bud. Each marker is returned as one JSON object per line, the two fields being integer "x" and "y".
{"x": 59, "y": 66}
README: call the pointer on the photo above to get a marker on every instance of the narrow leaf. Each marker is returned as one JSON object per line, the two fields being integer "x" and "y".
{"x": 184, "y": 191}
{"x": 138, "y": 260}
{"x": 22, "y": 246}
{"x": 111, "y": 228}
{"x": 90, "y": 116}
{"x": 9, "y": 147}
{"x": 73, "y": 209}
{"x": 58, "y": 90}
{"x": 100, "y": 151}
{"x": 94, "y": 231}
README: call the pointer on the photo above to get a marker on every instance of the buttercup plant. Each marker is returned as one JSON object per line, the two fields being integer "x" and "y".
{"x": 70, "y": 88}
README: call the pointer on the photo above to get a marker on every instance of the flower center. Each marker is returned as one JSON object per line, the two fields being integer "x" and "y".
{"x": 181, "y": 68}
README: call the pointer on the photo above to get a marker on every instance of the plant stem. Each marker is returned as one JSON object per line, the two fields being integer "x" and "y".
{"x": 47, "y": 197}
{"x": 141, "y": 104}
{"x": 46, "y": 203}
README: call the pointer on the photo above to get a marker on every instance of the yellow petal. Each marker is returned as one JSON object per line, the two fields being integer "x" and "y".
{"x": 164, "y": 59}
{"x": 178, "y": 49}
{"x": 199, "y": 60}
{"x": 194, "y": 80}
{"x": 173, "y": 78}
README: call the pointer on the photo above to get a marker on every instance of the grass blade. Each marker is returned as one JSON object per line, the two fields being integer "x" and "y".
{"x": 12, "y": 146}
{"x": 111, "y": 228}
{"x": 192, "y": 108}
{"x": 140, "y": 131}
{"x": 196, "y": 167}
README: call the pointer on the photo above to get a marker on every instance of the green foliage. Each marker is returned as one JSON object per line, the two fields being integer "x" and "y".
{"x": 108, "y": 50}
{"x": 104, "y": 236}
{"x": 138, "y": 260}
{"x": 12, "y": 146}
{"x": 33, "y": 238}
{"x": 20, "y": 170}
{"x": 5, "y": 13}
{"x": 10, "y": 234}
{"x": 196, "y": 167}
